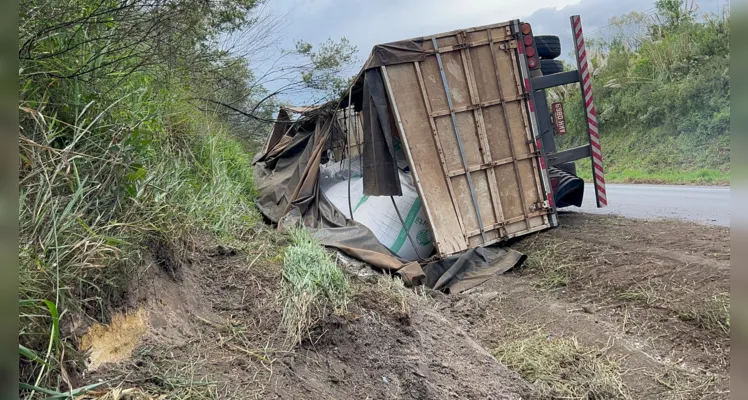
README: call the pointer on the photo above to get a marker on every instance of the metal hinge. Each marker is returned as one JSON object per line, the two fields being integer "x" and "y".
{"x": 540, "y": 206}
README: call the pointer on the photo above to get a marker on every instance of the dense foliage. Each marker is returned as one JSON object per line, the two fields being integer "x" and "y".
{"x": 135, "y": 121}
{"x": 662, "y": 91}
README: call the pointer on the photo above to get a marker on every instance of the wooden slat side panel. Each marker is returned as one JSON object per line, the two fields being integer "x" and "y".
{"x": 474, "y": 83}
{"x": 500, "y": 30}
{"x": 492, "y": 236}
{"x": 434, "y": 87}
{"x": 407, "y": 95}
{"x": 465, "y": 202}
{"x": 509, "y": 73}
{"x": 509, "y": 191}
{"x": 455, "y": 73}
{"x": 517, "y": 227}
{"x": 528, "y": 173}
{"x": 485, "y": 76}
{"x": 498, "y": 142}
{"x": 483, "y": 194}
{"x": 437, "y": 142}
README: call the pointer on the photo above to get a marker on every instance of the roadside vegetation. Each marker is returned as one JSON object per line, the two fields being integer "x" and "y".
{"x": 662, "y": 92}
{"x": 312, "y": 283}
{"x": 137, "y": 123}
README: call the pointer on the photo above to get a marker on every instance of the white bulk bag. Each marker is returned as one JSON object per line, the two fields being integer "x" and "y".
{"x": 378, "y": 214}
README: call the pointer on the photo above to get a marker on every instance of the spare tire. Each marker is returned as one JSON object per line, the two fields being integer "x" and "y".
{"x": 551, "y": 67}
{"x": 548, "y": 47}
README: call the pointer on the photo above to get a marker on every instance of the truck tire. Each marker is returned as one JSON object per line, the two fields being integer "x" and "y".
{"x": 568, "y": 189}
{"x": 550, "y": 67}
{"x": 569, "y": 167}
{"x": 548, "y": 47}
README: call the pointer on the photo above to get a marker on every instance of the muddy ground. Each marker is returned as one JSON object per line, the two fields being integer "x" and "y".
{"x": 643, "y": 304}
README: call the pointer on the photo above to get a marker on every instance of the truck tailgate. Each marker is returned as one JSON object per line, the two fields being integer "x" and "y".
{"x": 465, "y": 120}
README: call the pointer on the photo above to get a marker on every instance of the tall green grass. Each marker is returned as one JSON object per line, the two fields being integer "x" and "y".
{"x": 312, "y": 283}
{"x": 89, "y": 204}
{"x": 620, "y": 174}
{"x": 115, "y": 154}
{"x": 663, "y": 103}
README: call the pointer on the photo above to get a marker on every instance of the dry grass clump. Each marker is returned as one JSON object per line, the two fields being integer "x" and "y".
{"x": 553, "y": 260}
{"x": 561, "y": 368}
{"x": 312, "y": 282}
{"x": 713, "y": 314}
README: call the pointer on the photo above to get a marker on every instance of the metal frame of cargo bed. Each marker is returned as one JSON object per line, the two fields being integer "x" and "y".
{"x": 479, "y": 151}
{"x": 546, "y": 129}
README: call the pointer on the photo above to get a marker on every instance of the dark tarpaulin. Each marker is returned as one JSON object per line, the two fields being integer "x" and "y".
{"x": 461, "y": 272}
{"x": 379, "y": 165}
{"x": 404, "y": 51}
{"x": 287, "y": 179}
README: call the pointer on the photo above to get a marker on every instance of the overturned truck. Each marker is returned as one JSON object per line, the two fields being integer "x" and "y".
{"x": 438, "y": 150}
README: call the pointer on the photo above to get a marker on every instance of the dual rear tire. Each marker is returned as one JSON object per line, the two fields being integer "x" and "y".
{"x": 549, "y": 48}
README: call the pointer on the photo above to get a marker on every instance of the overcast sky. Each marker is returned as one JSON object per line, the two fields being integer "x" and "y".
{"x": 369, "y": 22}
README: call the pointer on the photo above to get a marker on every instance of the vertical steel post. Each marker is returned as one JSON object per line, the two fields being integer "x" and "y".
{"x": 585, "y": 78}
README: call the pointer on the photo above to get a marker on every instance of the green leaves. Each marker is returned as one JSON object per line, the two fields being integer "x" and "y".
{"x": 661, "y": 93}
{"x": 325, "y": 70}
{"x": 55, "y": 395}
{"x": 53, "y": 313}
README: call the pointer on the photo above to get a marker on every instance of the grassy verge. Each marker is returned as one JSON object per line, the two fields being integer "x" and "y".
{"x": 312, "y": 282}
{"x": 703, "y": 176}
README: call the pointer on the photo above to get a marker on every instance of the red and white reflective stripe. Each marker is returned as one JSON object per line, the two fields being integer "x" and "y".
{"x": 598, "y": 173}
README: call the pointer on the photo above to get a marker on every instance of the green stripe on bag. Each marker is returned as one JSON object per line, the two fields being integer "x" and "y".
{"x": 408, "y": 224}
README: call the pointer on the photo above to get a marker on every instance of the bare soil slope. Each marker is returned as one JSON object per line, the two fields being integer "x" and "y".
{"x": 214, "y": 320}
{"x": 604, "y": 308}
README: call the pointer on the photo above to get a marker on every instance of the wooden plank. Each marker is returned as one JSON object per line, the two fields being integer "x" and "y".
{"x": 501, "y": 26}
{"x": 509, "y": 222}
{"x": 490, "y": 165}
{"x": 509, "y": 130}
{"x": 472, "y": 107}
{"x": 437, "y": 143}
{"x": 536, "y": 223}
{"x": 537, "y": 193}
{"x": 423, "y": 158}
{"x": 472, "y": 43}
{"x": 485, "y": 149}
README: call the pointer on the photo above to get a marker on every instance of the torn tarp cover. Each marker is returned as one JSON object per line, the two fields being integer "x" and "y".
{"x": 287, "y": 181}
{"x": 380, "y": 168}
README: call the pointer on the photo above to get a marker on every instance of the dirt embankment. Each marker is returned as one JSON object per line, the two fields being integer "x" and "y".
{"x": 215, "y": 331}
{"x": 604, "y": 308}
{"x": 650, "y": 299}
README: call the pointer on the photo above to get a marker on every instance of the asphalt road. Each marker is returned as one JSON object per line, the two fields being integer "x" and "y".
{"x": 702, "y": 204}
